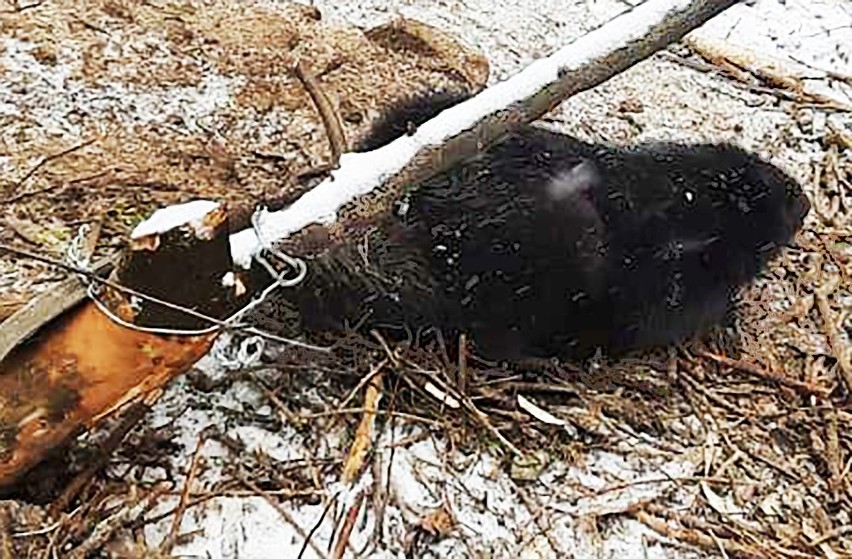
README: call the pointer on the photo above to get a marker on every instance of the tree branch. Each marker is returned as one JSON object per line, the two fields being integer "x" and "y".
{"x": 463, "y": 130}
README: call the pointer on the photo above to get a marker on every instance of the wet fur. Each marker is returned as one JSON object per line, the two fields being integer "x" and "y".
{"x": 545, "y": 245}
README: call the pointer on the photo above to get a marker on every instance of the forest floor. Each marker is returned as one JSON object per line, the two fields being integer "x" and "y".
{"x": 736, "y": 444}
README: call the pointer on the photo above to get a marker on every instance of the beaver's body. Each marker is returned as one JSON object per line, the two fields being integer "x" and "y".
{"x": 545, "y": 245}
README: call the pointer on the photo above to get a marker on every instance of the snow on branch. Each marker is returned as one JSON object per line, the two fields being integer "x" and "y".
{"x": 460, "y": 131}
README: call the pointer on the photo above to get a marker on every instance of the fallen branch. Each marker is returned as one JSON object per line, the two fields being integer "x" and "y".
{"x": 357, "y": 457}
{"x": 6, "y": 547}
{"x": 35, "y": 168}
{"x": 348, "y": 524}
{"x": 174, "y": 532}
{"x": 286, "y": 516}
{"x": 833, "y": 330}
{"x": 741, "y": 64}
{"x": 696, "y": 538}
{"x": 107, "y": 528}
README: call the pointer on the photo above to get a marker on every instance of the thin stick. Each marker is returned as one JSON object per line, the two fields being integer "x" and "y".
{"x": 283, "y": 514}
{"x": 831, "y": 534}
{"x": 462, "y": 380}
{"x": 42, "y": 162}
{"x": 693, "y": 537}
{"x": 479, "y": 415}
{"x": 6, "y": 546}
{"x": 364, "y": 433}
{"x": 106, "y": 529}
{"x": 315, "y": 528}
{"x": 329, "y": 116}
{"x": 203, "y": 498}
{"x": 358, "y": 454}
{"x": 399, "y": 414}
{"x": 833, "y": 455}
{"x": 346, "y": 531}
{"x": 745, "y": 367}
{"x": 363, "y": 382}
{"x": 169, "y": 542}
{"x": 838, "y": 343}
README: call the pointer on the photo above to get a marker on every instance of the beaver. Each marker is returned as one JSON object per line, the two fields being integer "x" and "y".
{"x": 546, "y": 246}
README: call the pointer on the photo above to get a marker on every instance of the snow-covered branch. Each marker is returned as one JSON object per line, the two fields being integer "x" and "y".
{"x": 460, "y": 131}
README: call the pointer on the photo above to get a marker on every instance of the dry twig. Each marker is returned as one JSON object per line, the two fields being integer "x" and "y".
{"x": 833, "y": 327}
{"x": 327, "y": 112}
{"x": 41, "y": 163}
{"x": 357, "y": 455}
{"x": 104, "y": 532}
{"x": 174, "y": 532}
{"x": 6, "y": 546}
{"x": 742, "y": 366}
{"x": 283, "y": 514}
{"x": 696, "y": 538}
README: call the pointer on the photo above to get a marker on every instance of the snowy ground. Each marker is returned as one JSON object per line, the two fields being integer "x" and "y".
{"x": 574, "y": 501}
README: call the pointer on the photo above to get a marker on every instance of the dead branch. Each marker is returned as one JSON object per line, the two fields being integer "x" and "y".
{"x": 283, "y": 514}
{"x": 348, "y": 524}
{"x": 328, "y": 114}
{"x": 836, "y": 533}
{"x": 833, "y": 328}
{"x": 358, "y": 454}
{"x": 174, "y": 532}
{"x": 35, "y": 168}
{"x": 741, "y": 64}
{"x": 104, "y": 532}
{"x": 364, "y": 434}
{"x": 6, "y": 548}
{"x": 696, "y": 538}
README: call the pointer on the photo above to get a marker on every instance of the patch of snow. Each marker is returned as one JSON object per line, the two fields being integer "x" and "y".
{"x": 48, "y": 95}
{"x": 172, "y": 217}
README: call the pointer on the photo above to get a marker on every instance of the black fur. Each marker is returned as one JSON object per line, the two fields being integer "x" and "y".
{"x": 545, "y": 245}
{"x": 406, "y": 116}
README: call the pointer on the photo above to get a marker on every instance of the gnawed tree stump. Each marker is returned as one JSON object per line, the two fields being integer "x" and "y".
{"x": 86, "y": 364}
